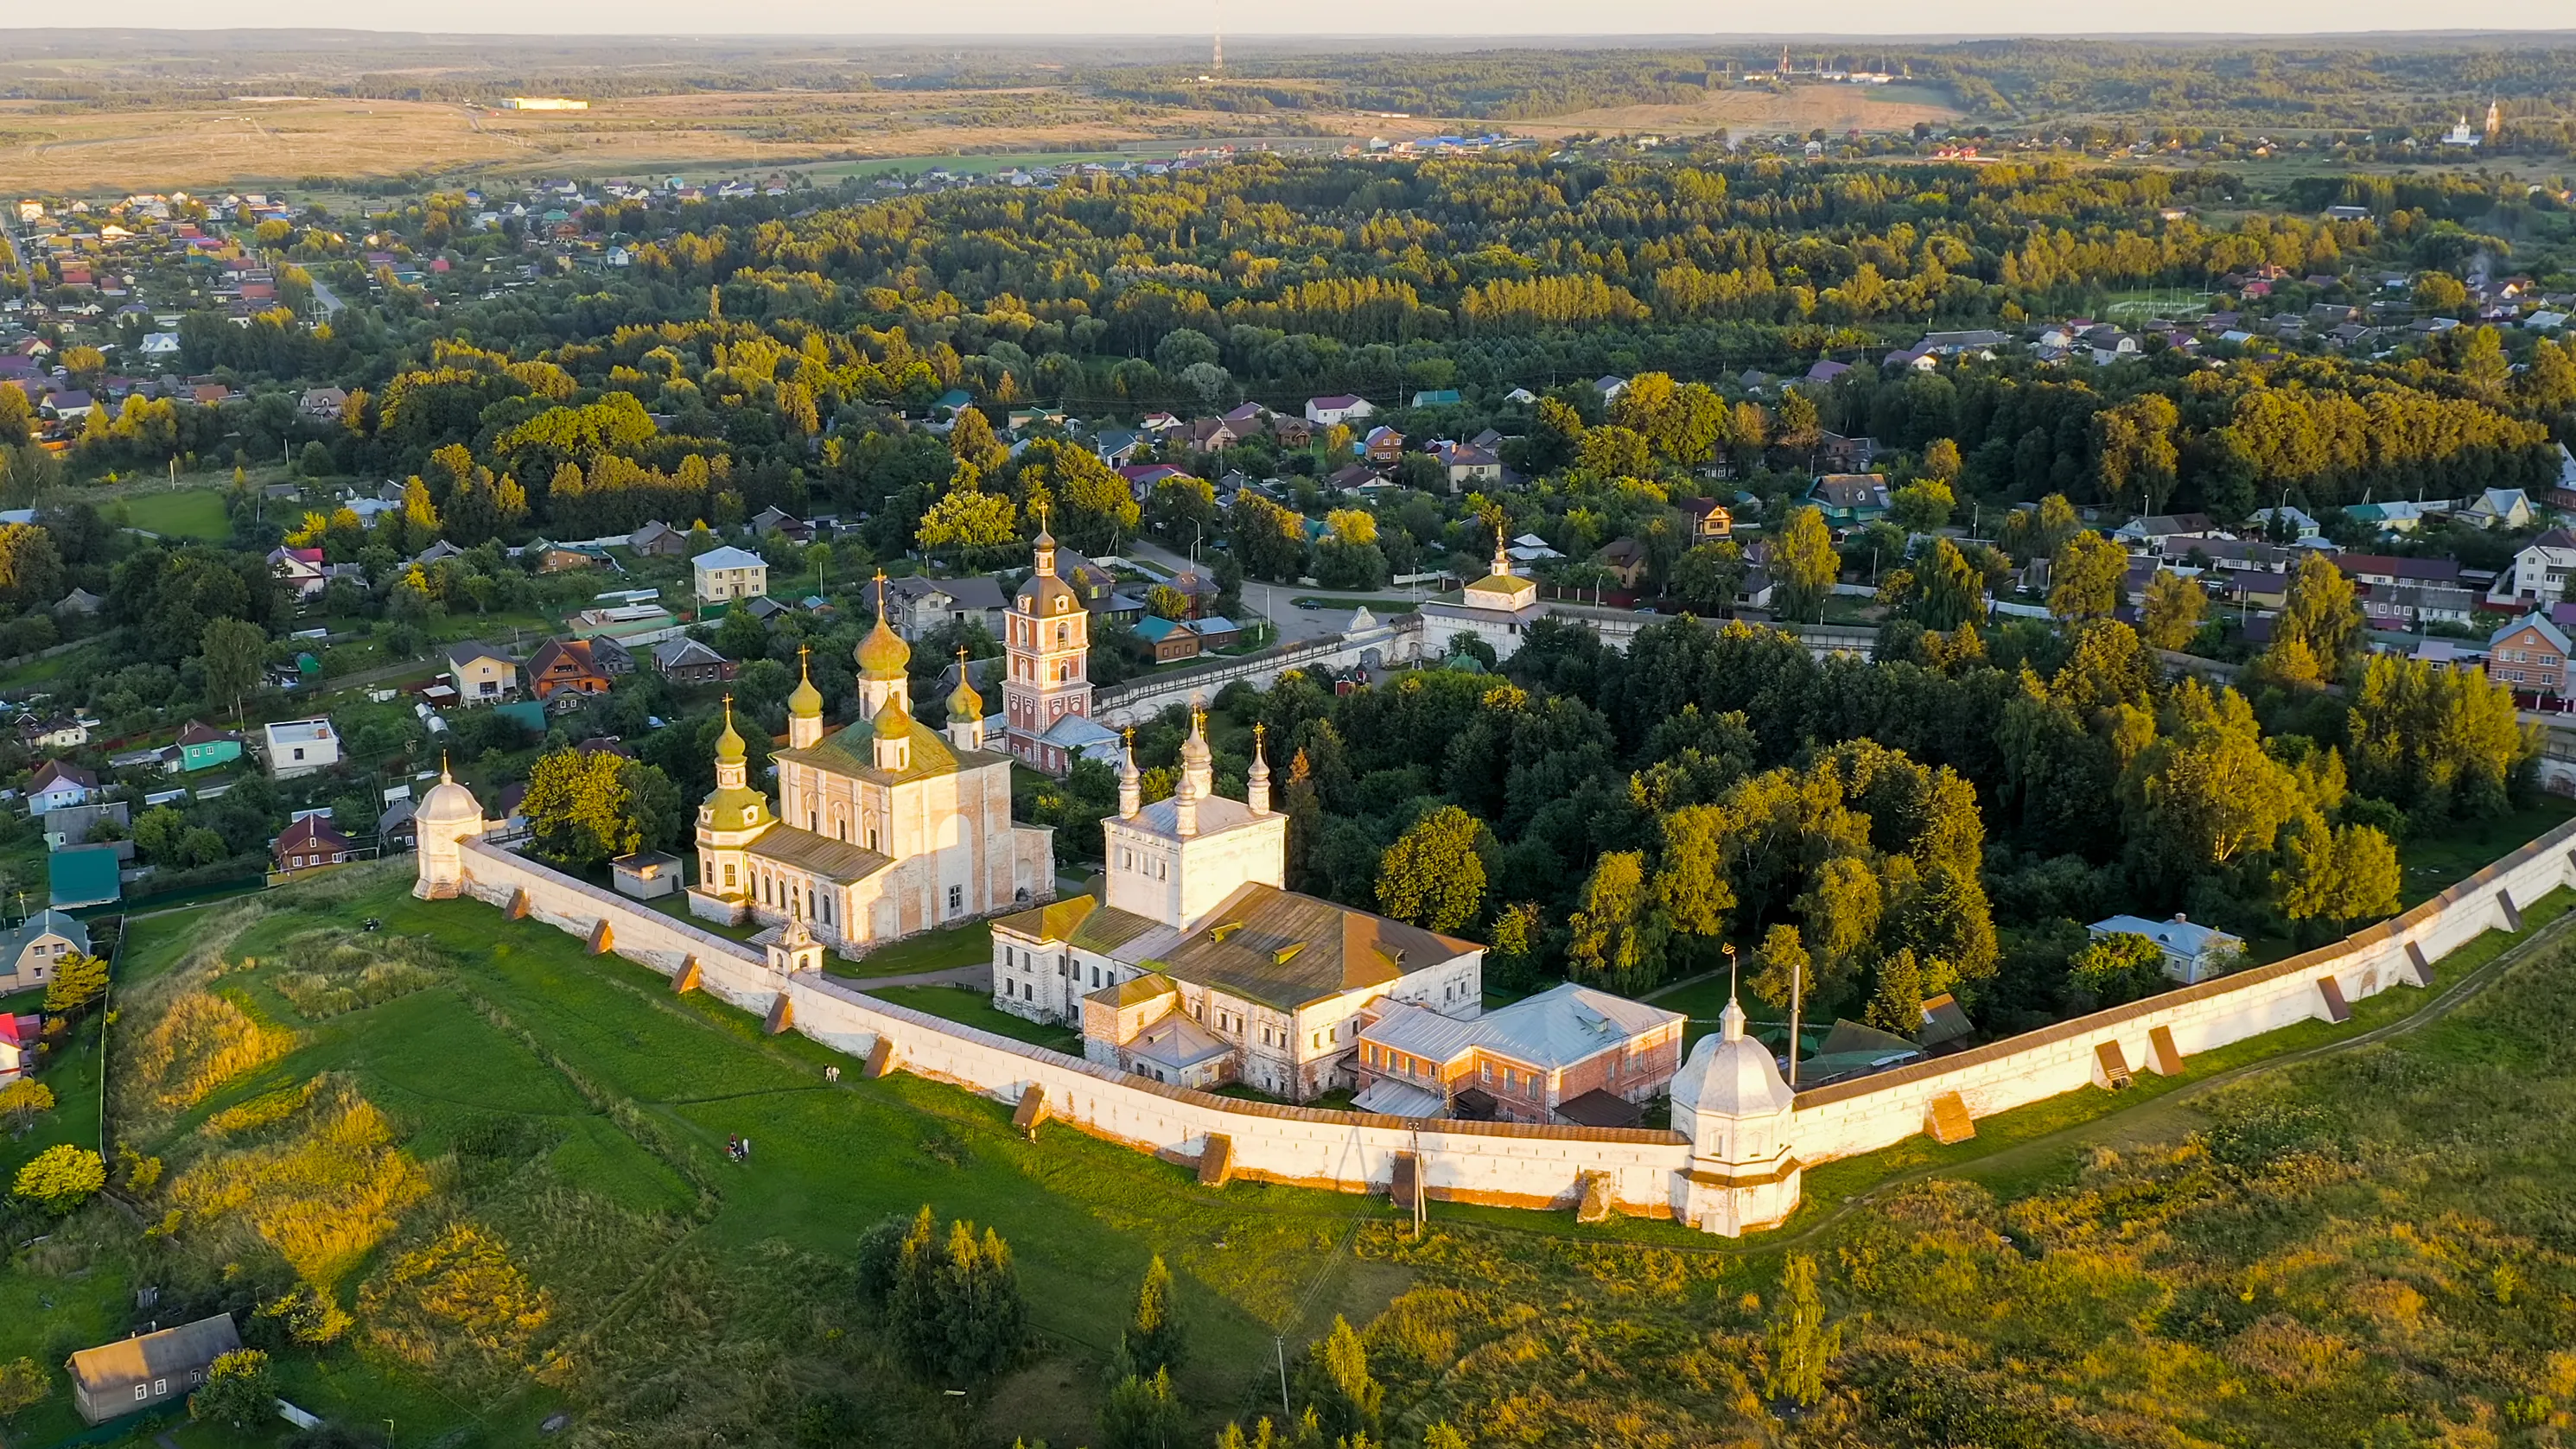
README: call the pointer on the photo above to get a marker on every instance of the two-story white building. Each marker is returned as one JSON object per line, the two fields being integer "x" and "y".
{"x": 1199, "y": 969}
{"x": 2540, "y": 570}
{"x": 725, "y": 575}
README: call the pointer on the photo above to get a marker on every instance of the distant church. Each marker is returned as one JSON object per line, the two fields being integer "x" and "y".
{"x": 883, "y": 828}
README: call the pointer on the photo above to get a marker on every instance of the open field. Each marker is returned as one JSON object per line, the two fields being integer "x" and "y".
{"x": 60, "y": 148}
{"x": 47, "y": 147}
{"x": 187, "y": 513}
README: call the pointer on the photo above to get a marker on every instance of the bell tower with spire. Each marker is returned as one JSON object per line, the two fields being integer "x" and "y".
{"x": 1046, "y": 635}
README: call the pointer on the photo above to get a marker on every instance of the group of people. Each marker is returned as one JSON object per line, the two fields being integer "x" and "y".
{"x": 738, "y": 1148}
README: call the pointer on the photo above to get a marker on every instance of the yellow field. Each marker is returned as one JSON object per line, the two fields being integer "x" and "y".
{"x": 50, "y": 147}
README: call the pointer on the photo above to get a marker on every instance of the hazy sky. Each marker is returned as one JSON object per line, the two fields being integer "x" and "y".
{"x": 1452, "y": 19}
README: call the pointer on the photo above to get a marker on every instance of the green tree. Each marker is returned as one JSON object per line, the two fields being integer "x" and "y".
{"x": 972, "y": 444}
{"x": 1153, "y": 1341}
{"x": 1344, "y": 1395}
{"x": 1618, "y": 931}
{"x": 2437, "y": 740}
{"x": 1143, "y": 1413}
{"x": 1924, "y": 505}
{"x": 1799, "y": 1344}
{"x": 2084, "y": 578}
{"x": 1519, "y": 941}
{"x": 2040, "y": 530}
{"x": 1803, "y": 565}
{"x": 1691, "y": 885}
{"x": 1707, "y": 579}
{"x": 2323, "y": 612}
{"x": 1896, "y": 1005}
{"x": 23, "y": 1382}
{"x": 1269, "y": 540}
{"x": 1432, "y": 875}
{"x": 2117, "y": 967}
{"x": 234, "y": 651}
{"x": 2211, "y": 793}
{"x": 1781, "y": 966}
{"x": 78, "y": 981}
{"x": 2173, "y": 611}
{"x": 60, "y": 1178}
{"x": 968, "y": 524}
{"x": 954, "y": 1311}
{"x": 21, "y": 1100}
{"x": 2347, "y": 873}
{"x": 579, "y": 810}
{"x": 1941, "y": 460}
{"x": 240, "y": 1390}
{"x": 31, "y": 566}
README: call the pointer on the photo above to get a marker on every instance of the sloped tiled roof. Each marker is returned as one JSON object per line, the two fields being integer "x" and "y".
{"x": 1284, "y": 950}
{"x": 110, "y": 1371}
{"x": 804, "y": 850}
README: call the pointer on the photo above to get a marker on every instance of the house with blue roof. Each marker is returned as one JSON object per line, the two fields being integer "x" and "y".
{"x": 2192, "y": 952}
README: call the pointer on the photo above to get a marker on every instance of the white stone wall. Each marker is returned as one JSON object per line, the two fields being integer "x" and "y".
{"x": 1350, "y": 1152}
{"x": 1862, "y": 1116}
{"x": 1524, "y": 1165}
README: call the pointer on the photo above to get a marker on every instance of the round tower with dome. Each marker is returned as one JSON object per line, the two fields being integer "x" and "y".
{"x": 1731, "y": 1101}
{"x": 448, "y": 816}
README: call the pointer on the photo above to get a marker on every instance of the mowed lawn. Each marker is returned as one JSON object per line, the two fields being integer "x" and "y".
{"x": 531, "y": 1030}
{"x": 185, "y": 513}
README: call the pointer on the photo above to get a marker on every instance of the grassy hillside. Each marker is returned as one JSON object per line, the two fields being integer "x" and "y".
{"x": 489, "y": 1171}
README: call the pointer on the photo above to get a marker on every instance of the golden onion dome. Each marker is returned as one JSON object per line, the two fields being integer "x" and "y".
{"x": 804, "y": 701}
{"x": 883, "y": 654}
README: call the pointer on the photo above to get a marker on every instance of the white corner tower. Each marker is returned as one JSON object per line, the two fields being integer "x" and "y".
{"x": 1730, "y": 1101}
{"x": 449, "y": 815}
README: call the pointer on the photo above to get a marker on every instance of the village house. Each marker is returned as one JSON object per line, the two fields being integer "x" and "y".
{"x": 566, "y": 666}
{"x": 52, "y": 732}
{"x": 481, "y": 674}
{"x": 299, "y": 569}
{"x": 2529, "y": 656}
{"x": 920, "y": 605}
{"x": 1470, "y": 465}
{"x": 658, "y": 540}
{"x": 33, "y": 951}
{"x": 1383, "y": 447}
{"x": 1710, "y": 520}
{"x": 726, "y": 574}
{"x": 2540, "y": 570}
{"x": 1569, "y": 1054}
{"x": 300, "y": 747}
{"x": 2192, "y": 952}
{"x": 202, "y": 747}
{"x": 1163, "y": 641}
{"x": 1323, "y": 412}
{"x": 310, "y": 842}
{"x": 1848, "y": 500}
{"x": 58, "y": 786}
{"x": 148, "y": 1369}
{"x": 686, "y": 661}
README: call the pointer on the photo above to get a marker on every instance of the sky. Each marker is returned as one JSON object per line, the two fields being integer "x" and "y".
{"x": 1005, "y": 20}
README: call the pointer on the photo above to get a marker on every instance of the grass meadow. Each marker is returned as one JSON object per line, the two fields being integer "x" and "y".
{"x": 461, "y": 1176}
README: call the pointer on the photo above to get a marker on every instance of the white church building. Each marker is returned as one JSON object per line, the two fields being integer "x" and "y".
{"x": 1199, "y": 969}
{"x": 881, "y": 829}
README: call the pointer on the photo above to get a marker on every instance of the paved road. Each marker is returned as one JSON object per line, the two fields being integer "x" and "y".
{"x": 1273, "y": 601}
{"x": 329, "y": 299}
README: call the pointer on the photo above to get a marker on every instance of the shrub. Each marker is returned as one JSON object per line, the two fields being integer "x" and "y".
{"x": 23, "y": 1385}
{"x": 61, "y": 1178}
{"x": 22, "y": 1100}
{"x": 241, "y": 1390}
